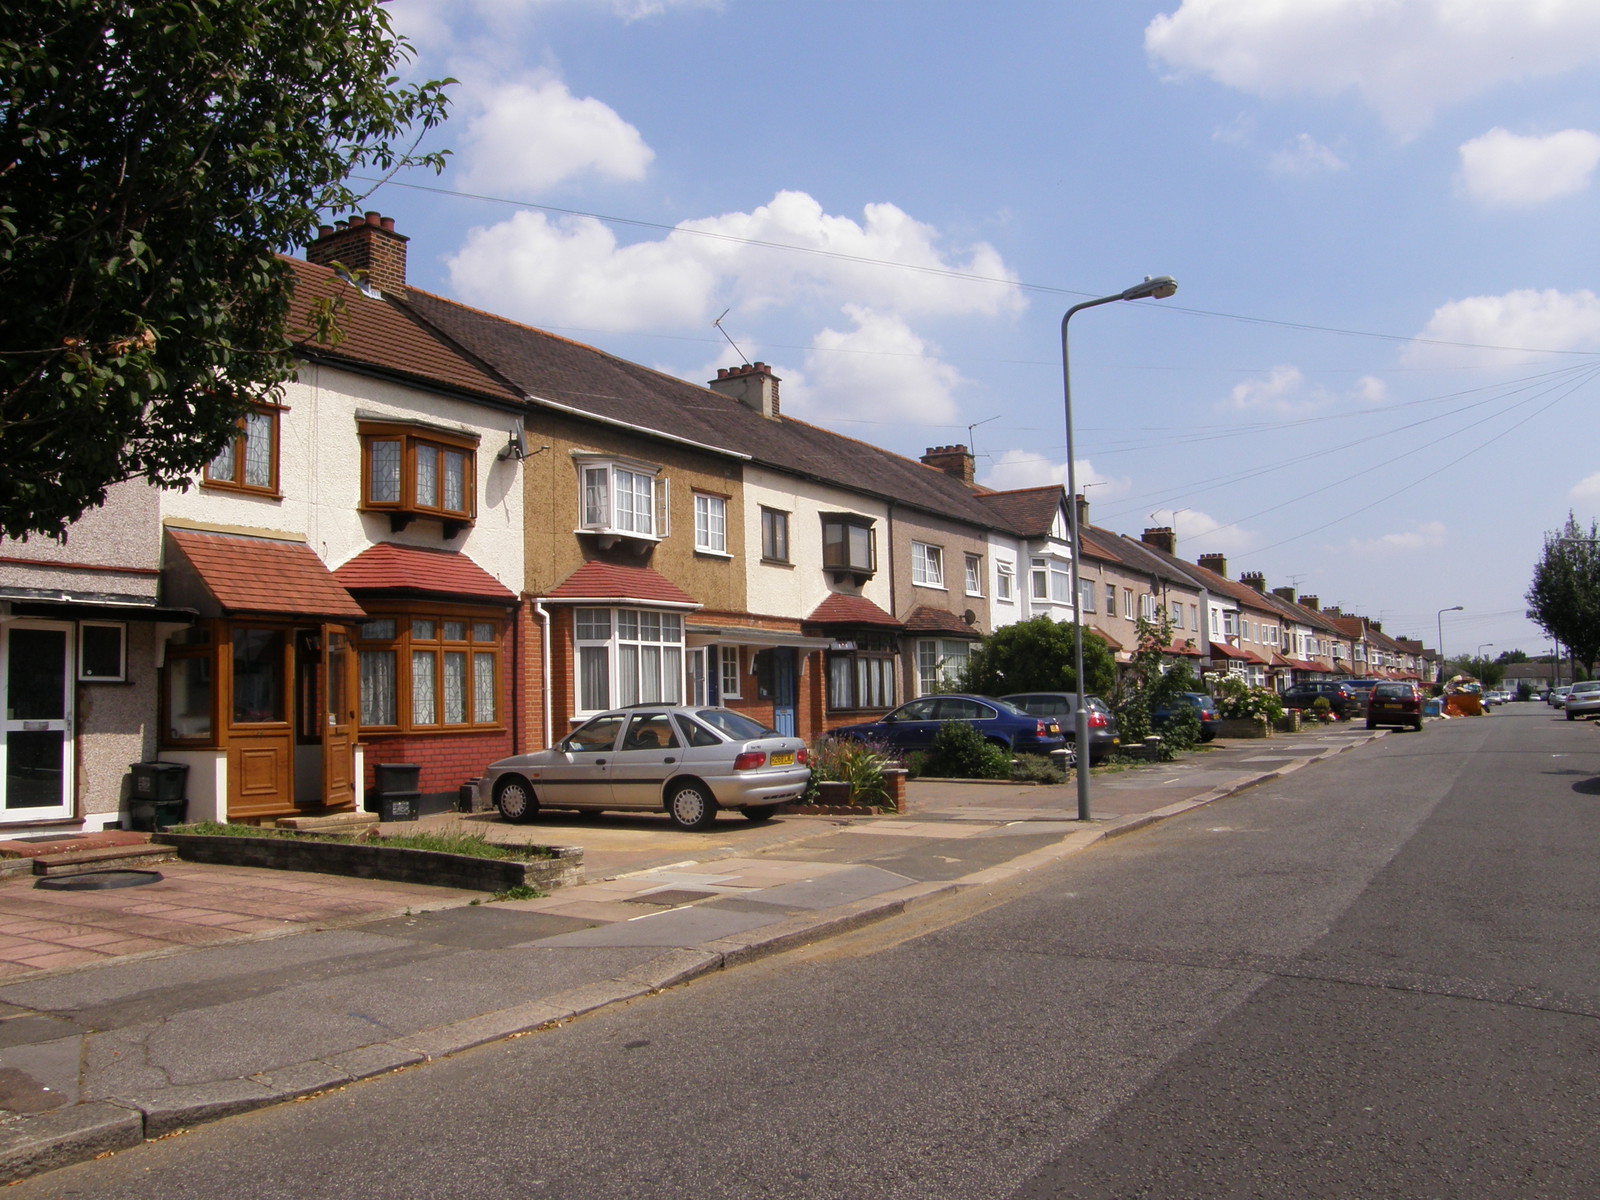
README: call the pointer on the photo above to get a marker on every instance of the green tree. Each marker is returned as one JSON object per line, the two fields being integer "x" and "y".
{"x": 156, "y": 156}
{"x": 1564, "y": 597}
{"x": 1150, "y": 680}
{"x": 1036, "y": 656}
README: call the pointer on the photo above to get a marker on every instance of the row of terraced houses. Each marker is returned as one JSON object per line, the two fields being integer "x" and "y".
{"x": 455, "y": 536}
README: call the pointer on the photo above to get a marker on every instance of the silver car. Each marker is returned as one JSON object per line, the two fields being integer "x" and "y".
{"x": 1583, "y": 700}
{"x": 688, "y": 762}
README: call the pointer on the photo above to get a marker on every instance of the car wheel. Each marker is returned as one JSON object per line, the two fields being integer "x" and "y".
{"x": 514, "y": 797}
{"x": 759, "y": 812}
{"x": 1372, "y": 724}
{"x": 1572, "y": 716}
{"x": 1072, "y": 754}
{"x": 691, "y": 806}
{"x": 1417, "y": 725}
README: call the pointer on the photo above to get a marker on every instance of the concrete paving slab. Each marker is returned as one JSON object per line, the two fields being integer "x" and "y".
{"x": 839, "y": 887}
{"x": 675, "y": 927}
{"x": 34, "y": 1078}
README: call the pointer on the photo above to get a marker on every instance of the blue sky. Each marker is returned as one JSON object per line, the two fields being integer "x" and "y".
{"x": 1377, "y": 380}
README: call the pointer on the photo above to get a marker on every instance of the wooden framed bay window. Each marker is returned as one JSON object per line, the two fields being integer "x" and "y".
{"x": 430, "y": 671}
{"x": 411, "y": 472}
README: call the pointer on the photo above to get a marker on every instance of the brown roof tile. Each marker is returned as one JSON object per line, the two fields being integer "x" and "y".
{"x": 265, "y": 575}
{"x": 840, "y": 609}
{"x": 925, "y": 619}
{"x": 609, "y": 583}
{"x": 387, "y": 567}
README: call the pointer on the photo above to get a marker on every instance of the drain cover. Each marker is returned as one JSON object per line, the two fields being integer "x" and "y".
{"x": 95, "y": 881}
{"x": 670, "y": 897}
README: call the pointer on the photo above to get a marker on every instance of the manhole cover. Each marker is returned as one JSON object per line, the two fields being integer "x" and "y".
{"x": 96, "y": 881}
{"x": 670, "y": 897}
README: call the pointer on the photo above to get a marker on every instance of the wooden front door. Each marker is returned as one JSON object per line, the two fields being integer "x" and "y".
{"x": 339, "y": 690}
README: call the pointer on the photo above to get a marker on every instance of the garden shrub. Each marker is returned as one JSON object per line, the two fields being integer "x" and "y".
{"x": 959, "y": 752}
{"x": 1036, "y": 768}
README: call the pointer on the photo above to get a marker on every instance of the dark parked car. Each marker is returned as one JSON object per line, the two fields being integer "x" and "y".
{"x": 1346, "y": 701}
{"x": 912, "y": 726}
{"x": 1395, "y": 704}
{"x": 1063, "y": 706}
{"x": 1205, "y": 707}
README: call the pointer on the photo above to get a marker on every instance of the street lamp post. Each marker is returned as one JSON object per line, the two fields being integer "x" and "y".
{"x": 1443, "y": 663}
{"x": 1157, "y": 288}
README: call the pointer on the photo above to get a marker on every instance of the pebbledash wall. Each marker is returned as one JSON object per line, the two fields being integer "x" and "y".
{"x": 320, "y": 496}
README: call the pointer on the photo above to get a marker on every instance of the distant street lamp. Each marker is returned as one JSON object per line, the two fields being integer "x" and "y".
{"x": 1440, "y": 620}
{"x": 1157, "y": 288}
{"x": 1482, "y": 646}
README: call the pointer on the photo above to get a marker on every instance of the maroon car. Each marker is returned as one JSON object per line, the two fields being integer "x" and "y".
{"x": 1395, "y": 704}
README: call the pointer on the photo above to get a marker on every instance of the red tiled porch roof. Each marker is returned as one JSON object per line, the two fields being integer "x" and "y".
{"x": 1305, "y": 664}
{"x": 840, "y": 609}
{"x": 1106, "y": 638}
{"x": 265, "y": 575}
{"x": 1238, "y": 653}
{"x": 387, "y": 567}
{"x": 1187, "y": 648}
{"x": 607, "y": 583}
{"x": 924, "y": 619}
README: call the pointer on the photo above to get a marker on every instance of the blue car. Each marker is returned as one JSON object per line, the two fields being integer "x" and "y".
{"x": 912, "y": 726}
{"x": 1205, "y": 708}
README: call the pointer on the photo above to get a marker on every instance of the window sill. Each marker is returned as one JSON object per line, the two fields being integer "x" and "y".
{"x": 704, "y": 552}
{"x": 777, "y": 562}
{"x": 241, "y": 489}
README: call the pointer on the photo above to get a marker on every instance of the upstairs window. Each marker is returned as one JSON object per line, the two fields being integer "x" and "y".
{"x": 624, "y": 498}
{"x": 1147, "y": 606}
{"x": 710, "y": 523}
{"x": 974, "y": 575}
{"x": 1127, "y": 604}
{"x": 249, "y": 462}
{"x": 849, "y": 543}
{"x": 1051, "y": 579}
{"x": 927, "y": 565}
{"x": 774, "y": 535}
{"x": 1004, "y": 581}
{"x": 412, "y": 473}
{"x": 1085, "y": 591}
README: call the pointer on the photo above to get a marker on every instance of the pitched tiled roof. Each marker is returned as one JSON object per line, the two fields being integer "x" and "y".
{"x": 387, "y": 567}
{"x": 379, "y": 334}
{"x": 1223, "y": 650}
{"x": 554, "y": 370}
{"x": 608, "y": 583}
{"x": 1106, "y": 638}
{"x": 924, "y": 619}
{"x": 1030, "y": 512}
{"x": 840, "y": 609}
{"x": 265, "y": 575}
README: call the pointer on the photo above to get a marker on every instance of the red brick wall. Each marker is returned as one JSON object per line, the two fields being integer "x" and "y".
{"x": 447, "y": 759}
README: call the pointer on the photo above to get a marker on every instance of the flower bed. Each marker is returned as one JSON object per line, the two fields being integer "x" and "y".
{"x": 555, "y": 866}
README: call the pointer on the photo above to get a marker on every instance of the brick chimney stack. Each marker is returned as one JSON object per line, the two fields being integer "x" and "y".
{"x": 752, "y": 385}
{"x": 1254, "y": 579}
{"x": 1162, "y": 538}
{"x": 364, "y": 244}
{"x": 1083, "y": 510}
{"x": 1214, "y": 562}
{"x": 1287, "y": 592}
{"x": 1311, "y": 602}
{"x": 952, "y": 460}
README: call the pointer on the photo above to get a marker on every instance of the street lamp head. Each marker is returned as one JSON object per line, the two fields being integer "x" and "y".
{"x": 1158, "y": 287}
{"x": 1455, "y": 608}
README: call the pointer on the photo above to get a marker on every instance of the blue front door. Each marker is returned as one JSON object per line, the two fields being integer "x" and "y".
{"x": 783, "y": 691}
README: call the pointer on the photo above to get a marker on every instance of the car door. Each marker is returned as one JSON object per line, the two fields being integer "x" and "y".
{"x": 981, "y": 717}
{"x": 648, "y": 755}
{"x": 912, "y": 726}
{"x": 577, "y": 771}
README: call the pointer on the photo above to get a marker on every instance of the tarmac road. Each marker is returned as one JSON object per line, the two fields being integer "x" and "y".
{"x": 1374, "y": 978}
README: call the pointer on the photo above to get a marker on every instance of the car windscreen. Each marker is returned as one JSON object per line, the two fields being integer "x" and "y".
{"x": 736, "y": 725}
{"x": 1393, "y": 691}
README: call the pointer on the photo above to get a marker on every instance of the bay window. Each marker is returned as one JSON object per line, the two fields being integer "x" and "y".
{"x": 627, "y": 656}
{"x": 429, "y": 671}
{"x": 412, "y": 472}
{"x": 623, "y": 498}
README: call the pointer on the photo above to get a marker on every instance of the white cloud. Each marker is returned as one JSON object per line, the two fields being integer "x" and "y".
{"x": 1504, "y": 170}
{"x": 1284, "y": 391}
{"x": 879, "y": 369}
{"x": 572, "y": 271}
{"x": 1406, "y": 59}
{"x": 1424, "y": 535}
{"x": 1200, "y": 533}
{"x": 1305, "y": 156}
{"x": 1586, "y": 490}
{"x": 1516, "y": 321}
{"x": 528, "y": 137}
{"x": 1028, "y": 468}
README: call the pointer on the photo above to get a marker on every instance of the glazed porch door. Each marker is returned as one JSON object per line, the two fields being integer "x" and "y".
{"x": 783, "y": 690}
{"x": 340, "y": 688}
{"x": 36, "y": 736}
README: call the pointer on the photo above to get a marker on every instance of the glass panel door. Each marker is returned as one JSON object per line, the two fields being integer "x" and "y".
{"x": 37, "y": 730}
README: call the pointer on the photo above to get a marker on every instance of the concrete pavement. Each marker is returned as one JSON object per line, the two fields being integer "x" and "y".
{"x": 130, "y": 1014}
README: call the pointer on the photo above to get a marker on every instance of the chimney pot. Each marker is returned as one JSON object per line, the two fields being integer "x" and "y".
{"x": 753, "y": 385}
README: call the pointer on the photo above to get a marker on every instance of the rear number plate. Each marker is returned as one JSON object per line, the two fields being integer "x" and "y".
{"x": 786, "y": 759}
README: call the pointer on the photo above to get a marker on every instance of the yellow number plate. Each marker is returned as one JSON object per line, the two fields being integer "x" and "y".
{"x": 786, "y": 759}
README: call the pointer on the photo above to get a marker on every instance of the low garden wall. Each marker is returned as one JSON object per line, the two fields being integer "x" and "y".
{"x": 373, "y": 860}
